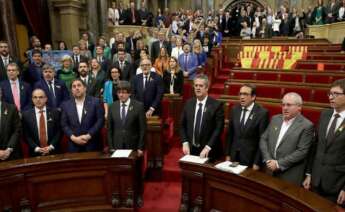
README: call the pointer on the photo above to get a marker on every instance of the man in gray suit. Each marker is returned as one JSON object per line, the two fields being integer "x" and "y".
{"x": 326, "y": 168}
{"x": 286, "y": 142}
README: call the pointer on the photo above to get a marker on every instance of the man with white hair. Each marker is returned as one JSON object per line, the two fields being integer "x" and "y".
{"x": 286, "y": 142}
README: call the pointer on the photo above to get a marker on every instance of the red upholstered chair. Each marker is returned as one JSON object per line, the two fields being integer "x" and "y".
{"x": 313, "y": 114}
{"x": 233, "y": 89}
{"x": 291, "y": 77}
{"x": 268, "y": 91}
{"x": 320, "y": 95}
{"x": 267, "y": 76}
{"x": 314, "y": 78}
{"x": 273, "y": 109}
{"x": 242, "y": 76}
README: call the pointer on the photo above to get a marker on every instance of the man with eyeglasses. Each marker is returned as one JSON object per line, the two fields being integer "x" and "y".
{"x": 247, "y": 122}
{"x": 148, "y": 88}
{"x": 326, "y": 168}
{"x": 286, "y": 142}
{"x": 41, "y": 126}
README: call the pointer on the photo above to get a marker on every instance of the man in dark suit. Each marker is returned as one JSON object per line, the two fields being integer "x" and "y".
{"x": 33, "y": 73}
{"x": 77, "y": 57}
{"x": 41, "y": 126}
{"x": 126, "y": 68}
{"x": 148, "y": 88}
{"x": 87, "y": 78}
{"x": 326, "y": 169}
{"x": 103, "y": 61}
{"x": 82, "y": 119}
{"x": 247, "y": 121}
{"x": 126, "y": 128}
{"x": 14, "y": 90}
{"x": 55, "y": 89}
{"x": 202, "y": 122}
{"x": 157, "y": 45}
{"x": 287, "y": 140}
{"x": 132, "y": 15}
{"x": 10, "y": 128}
{"x": 5, "y": 59}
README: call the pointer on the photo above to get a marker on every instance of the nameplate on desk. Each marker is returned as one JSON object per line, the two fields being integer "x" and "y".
{"x": 121, "y": 153}
{"x": 230, "y": 167}
{"x": 193, "y": 159}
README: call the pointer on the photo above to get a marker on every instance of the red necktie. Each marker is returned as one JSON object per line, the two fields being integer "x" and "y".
{"x": 43, "y": 130}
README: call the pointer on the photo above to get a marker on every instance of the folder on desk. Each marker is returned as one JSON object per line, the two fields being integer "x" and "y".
{"x": 226, "y": 166}
{"x": 193, "y": 159}
{"x": 121, "y": 153}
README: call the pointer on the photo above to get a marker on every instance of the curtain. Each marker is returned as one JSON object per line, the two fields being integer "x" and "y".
{"x": 37, "y": 14}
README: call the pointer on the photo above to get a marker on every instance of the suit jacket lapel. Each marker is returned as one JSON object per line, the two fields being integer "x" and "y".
{"x": 323, "y": 125}
{"x": 49, "y": 123}
{"x": 338, "y": 131}
{"x": 85, "y": 110}
{"x": 3, "y": 117}
{"x": 129, "y": 112}
{"x": 277, "y": 125}
{"x": 21, "y": 93}
{"x": 192, "y": 113}
{"x": 295, "y": 124}
{"x": 250, "y": 118}
{"x": 205, "y": 114}
{"x": 75, "y": 111}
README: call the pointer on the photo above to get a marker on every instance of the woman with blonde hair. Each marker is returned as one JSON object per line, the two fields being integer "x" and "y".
{"x": 84, "y": 50}
{"x": 173, "y": 78}
{"x": 66, "y": 72}
{"x": 199, "y": 52}
{"x": 162, "y": 62}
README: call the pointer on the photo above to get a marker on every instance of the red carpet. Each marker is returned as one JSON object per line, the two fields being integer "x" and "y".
{"x": 164, "y": 195}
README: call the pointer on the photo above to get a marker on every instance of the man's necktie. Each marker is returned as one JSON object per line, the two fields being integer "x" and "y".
{"x": 52, "y": 93}
{"x": 121, "y": 65}
{"x": 43, "y": 130}
{"x": 243, "y": 118}
{"x": 145, "y": 82}
{"x": 15, "y": 94}
{"x": 185, "y": 62}
{"x": 198, "y": 125}
{"x": 123, "y": 113}
{"x": 331, "y": 131}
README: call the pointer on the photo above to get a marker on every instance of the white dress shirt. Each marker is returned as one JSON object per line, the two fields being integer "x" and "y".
{"x": 339, "y": 121}
{"x": 5, "y": 60}
{"x": 285, "y": 126}
{"x": 80, "y": 107}
{"x": 249, "y": 110}
{"x": 176, "y": 52}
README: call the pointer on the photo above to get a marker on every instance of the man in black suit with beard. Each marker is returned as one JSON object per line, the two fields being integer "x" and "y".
{"x": 41, "y": 126}
{"x": 10, "y": 128}
{"x": 126, "y": 68}
{"x": 325, "y": 173}
{"x": 247, "y": 121}
{"x": 5, "y": 59}
{"x": 202, "y": 122}
{"x": 126, "y": 128}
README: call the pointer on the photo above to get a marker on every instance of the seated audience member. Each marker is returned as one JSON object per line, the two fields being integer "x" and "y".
{"x": 319, "y": 14}
{"x": 77, "y": 57}
{"x": 41, "y": 126}
{"x": 247, "y": 122}
{"x": 245, "y": 31}
{"x": 34, "y": 72}
{"x": 99, "y": 77}
{"x": 188, "y": 62}
{"x": 125, "y": 66}
{"x": 10, "y": 132}
{"x": 325, "y": 174}
{"x": 84, "y": 51}
{"x": 148, "y": 88}
{"x": 55, "y": 89}
{"x": 199, "y": 53}
{"x": 202, "y": 122}
{"x": 62, "y": 46}
{"x": 126, "y": 128}
{"x": 5, "y": 59}
{"x": 341, "y": 12}
{"x": 178, "y": 49}
{"x": 110, "y": 88}
{"x": 332, "y": 9}
{"x": 103, "y": 61}
{"x": 173, "y": 78}
{"x": 113, "y": 15}
{"x": 162, "y": 62}
{"x": 128, "y": 56}
{"x": 82, "y": 119}
{"x": 286, "y": 142}
{"x": 66, "y": 73}
{"x": 14, "y": 90}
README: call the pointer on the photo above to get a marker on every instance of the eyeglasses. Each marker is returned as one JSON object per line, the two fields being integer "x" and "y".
{"x": 334, "y": 94}
{"x": 288, "y": 105}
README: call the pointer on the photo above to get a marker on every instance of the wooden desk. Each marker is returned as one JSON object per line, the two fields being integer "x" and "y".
{"x": 205, "y": 188}
{"x": 74, "y": 181}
